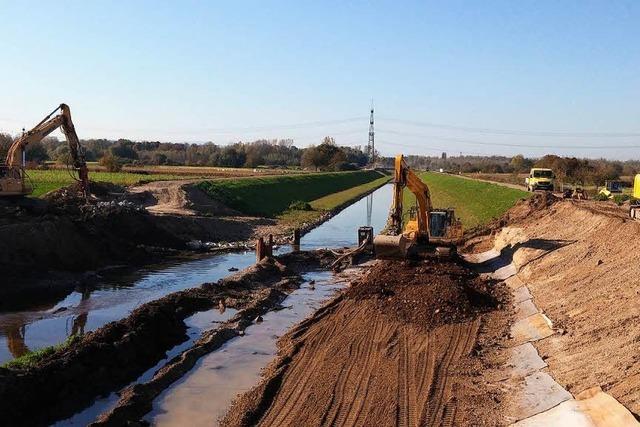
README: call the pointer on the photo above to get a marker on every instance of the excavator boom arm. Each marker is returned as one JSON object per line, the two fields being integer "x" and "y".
{"x": 38, "y": 133}
{"x": 44, "y": 128}
{"x": 405, "y": 177}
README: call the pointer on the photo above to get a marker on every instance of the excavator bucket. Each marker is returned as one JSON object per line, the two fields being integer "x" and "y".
{"x": 391, "y": 246}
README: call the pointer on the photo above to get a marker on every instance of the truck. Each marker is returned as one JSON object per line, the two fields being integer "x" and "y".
{"x": 540, "y": 179}
{"x": 634, "y": 207}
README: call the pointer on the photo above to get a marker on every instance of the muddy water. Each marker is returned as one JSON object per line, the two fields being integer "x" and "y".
{"x": 115, "y": 295}
{"x": 196, "y": 325}
{"x": 202, "y": 396}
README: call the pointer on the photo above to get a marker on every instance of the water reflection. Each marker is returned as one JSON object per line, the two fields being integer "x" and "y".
{"x": 113, "y": 297}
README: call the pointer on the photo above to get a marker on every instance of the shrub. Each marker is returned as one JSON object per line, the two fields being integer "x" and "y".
{"x": 619, "y": 199}
{"x": 299, "y": 205}
{"x": 111, "y": 163}
{"x": 601, "y": 197}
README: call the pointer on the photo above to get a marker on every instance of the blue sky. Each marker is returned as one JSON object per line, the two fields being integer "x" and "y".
{"x": 228, "y": 71}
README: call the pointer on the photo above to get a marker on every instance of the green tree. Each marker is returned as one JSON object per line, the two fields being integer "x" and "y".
{"x": 36, "y": 152}
{"x": 520, "y": 164}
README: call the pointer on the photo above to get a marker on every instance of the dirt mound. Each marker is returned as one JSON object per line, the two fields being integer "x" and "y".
{"x": 429, "y": 293}
{"x": 382, "y": 354}
{"x": 538, "y": 202}
{"x": 475, "y": 240}
{"x": 177, "y": 198}
{"x": 71, "y": 194}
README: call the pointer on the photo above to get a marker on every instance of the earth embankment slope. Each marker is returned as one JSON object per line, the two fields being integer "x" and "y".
{"x": 393, "y": 350}
{"x": 580, "y": 261}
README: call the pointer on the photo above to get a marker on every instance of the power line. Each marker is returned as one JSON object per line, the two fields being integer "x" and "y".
{"x": 569, "y": 134}
{"x": 301, "y": 125}
{"x": 500, "y": 144}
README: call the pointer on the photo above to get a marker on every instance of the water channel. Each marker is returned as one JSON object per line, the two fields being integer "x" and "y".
{"x": 115, "y": 295}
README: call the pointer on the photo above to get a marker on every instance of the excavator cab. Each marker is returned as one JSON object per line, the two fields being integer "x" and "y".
{"x": 14, "y": 181}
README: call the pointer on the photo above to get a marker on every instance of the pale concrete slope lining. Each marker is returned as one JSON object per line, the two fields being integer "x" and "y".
{"x": 545, "y": 261}
{"x": 580, "y": 262}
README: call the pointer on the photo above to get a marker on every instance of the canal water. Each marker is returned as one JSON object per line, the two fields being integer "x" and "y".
{"x": 204, "y": 394}
{"x": 115, "y": 295}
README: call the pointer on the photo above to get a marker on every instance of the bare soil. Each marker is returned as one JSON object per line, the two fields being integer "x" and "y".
{"x": 399, "y": 348}
{"x": 45, "y": 239}
{"x": 178, "y": 197}
{"x": 586, "y": 282}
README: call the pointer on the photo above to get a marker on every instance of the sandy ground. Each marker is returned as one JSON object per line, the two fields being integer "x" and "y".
{"x": 179, "y": 197}
{"x": 395, "y": 349}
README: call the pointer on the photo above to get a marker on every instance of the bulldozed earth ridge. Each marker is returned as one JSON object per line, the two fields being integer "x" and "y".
{"x": 404, "y": 346}
{"x": 107, "y": 359}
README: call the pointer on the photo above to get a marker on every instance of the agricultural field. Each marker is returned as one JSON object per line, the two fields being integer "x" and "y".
{"x": 188, "y": 170}
{"x": 44, "y": 181}
{"x": 475, "y": 202}
{"x": 58, "y": 176}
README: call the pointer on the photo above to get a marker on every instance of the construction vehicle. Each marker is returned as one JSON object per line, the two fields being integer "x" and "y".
{"x": 540, "y": 179}
{"x": 634, "y": 207}
{"x": 13, "y": 178}
{"x": 611, "y": 188}
{"x": 426, "y": 232}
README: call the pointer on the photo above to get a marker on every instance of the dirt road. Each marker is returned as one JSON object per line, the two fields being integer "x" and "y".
{"x": 394, "y": 350}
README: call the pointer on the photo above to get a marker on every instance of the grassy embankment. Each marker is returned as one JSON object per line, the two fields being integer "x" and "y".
{"x": 293, "y": 199}
{"x": 475, "y": 202}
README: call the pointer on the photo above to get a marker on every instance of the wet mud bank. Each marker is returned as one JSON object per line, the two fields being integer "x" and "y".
{"x": 113, "y": 356}
{"x": 99, "y": 237}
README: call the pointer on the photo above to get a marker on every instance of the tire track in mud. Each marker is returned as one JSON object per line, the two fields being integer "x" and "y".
{"x": 356, "y": 367}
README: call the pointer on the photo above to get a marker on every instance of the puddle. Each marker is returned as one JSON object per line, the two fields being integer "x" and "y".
{"x": 116, "y": 295}
{"x": 204, "y": 394}
{"x": 196, "y": 325}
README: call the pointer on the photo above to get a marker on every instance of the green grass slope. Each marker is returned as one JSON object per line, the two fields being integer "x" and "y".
{"x": 271, "y": 196}
{"x": 475, "y": 202}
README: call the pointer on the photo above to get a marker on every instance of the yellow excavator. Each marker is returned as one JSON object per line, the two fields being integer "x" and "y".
{"x": 13, "y": 179}
{"x": 426, "y": 232}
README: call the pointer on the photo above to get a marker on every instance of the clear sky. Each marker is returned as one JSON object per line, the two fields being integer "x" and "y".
{"x": 240, "y": 70}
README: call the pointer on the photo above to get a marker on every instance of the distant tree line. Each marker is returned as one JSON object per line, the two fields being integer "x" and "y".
{"x": 567, "y": 169}
{"x": 327, "y": 155}
{"x": 273, "y": 153}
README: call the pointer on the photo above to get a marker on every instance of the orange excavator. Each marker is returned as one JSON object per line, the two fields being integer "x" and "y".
{"x": 14, "y": 180}
{"x": 426, "y": 232}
